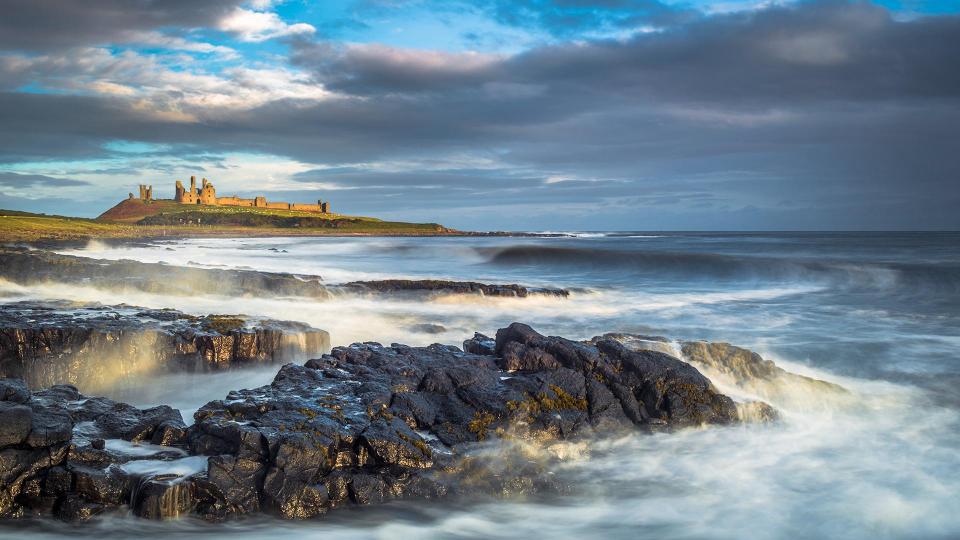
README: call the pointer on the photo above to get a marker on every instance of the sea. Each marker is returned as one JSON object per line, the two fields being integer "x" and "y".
{"x": 877, "y": 313}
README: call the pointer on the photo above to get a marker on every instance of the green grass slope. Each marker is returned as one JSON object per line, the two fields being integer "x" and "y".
{"x": 164, "y": 218}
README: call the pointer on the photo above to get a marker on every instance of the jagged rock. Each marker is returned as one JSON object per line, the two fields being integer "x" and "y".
{"x": 664, "y": 387}
{"x": 132, "y": 424}
{"x": 362, "y": 425}
{"x": 74, "y": 508}
{"x": 104, "y": 486}
{"x": 16, "y": 421}
{"x": 436, "y": 286}
{"x": 480, "y": 344}
{"x": 234, "y": 485}
{"x": 93, "y": 345}
{"x": 54, "y": 457}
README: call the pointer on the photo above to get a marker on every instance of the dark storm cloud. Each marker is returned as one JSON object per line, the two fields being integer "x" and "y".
{"x": 828, "y": 114}
{"x": 815, "y": 52}
{"x": 15, "y": 180}
{"x": 52, "y": 24}
{"x": 451, "y": 179}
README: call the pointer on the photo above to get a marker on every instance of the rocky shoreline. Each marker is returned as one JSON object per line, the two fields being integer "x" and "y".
{"x": 36, "y": 267}
{"x": 93, "y": 346}
{"x": 362, "y": 425}
{"x": 438, "y": 286}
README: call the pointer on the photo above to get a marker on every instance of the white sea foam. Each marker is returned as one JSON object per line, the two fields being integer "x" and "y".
{"x": 879, "y": 464}
{"x": 183, "y": 467}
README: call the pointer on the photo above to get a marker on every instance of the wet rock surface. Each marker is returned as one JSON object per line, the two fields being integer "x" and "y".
{"x": 92, "y": 346}
{"x": 362, "y": 425}
{"x": 746, "y": 367}
{"x": 443, "y": 287}
{"x": 741, "y": 367}
{"x": 66, "y": 453}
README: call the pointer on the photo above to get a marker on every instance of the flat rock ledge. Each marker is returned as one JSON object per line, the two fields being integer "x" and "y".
{"x": 33, "y": 267}
{"x": 362, "y": 425}
{"x": 444, "y": 287}
{"x": 92, "y": 346}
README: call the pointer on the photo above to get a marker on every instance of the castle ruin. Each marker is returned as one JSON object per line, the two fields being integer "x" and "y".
{"x": 146, "y": 193}
{"x": 206, "y": 194}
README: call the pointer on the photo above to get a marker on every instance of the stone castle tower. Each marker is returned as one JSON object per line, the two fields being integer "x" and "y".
{"x": 187, "y": 197}
{"x": 146, "y": 192}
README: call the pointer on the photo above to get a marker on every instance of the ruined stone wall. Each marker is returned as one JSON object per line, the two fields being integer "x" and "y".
{"x": 182, "y": 195}
{"x": 235, "y": 201}
{"x": 278, "y": 205}
{"x": 306, "y": 207}
{"x": 208, "y": 195}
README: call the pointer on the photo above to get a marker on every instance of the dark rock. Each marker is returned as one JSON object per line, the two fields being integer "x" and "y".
{"x": 17, "y": 465}
{"x": 480, "y": 344}
{"x": 133, "y": 424}
{"x": 368, "y": 489}
{"x": 49, "y": 426}
{"x": 437, "y": 287}
{"x": 651, "y": 385}
{"x": 49, "y": 467}
{"x": 362, "y": 425}
{"x": 30, "y": 267}
{"x": 59, "y": 481}
{"x": 237, "y": 484}
{"x": 292, "y": 498}
{"x": 74, "y": 508}
{"x": 15, "y": 423}
{"x": 104, "y": 486}
{"x": 14, "y": 390}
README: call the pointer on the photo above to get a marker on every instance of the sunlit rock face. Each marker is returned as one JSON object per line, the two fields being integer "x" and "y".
{"x": 98, "y": 347}
{"x": 362, "y": 425}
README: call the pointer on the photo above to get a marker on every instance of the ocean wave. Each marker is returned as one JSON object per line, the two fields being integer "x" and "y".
{"x": 944, "y": 278}
{"x": 575, "y": 234}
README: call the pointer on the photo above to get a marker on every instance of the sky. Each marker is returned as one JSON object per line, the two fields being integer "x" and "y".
{"x": 494, "y": 114}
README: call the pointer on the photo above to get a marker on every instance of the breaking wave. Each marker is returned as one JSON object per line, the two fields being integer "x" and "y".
{"x": 944, "y": 278}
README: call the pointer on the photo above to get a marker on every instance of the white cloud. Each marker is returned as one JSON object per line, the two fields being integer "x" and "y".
{"x": 261, "y": 5}
{"x": 255, "y": 26}
{"x": 158, "y": 85}
{"x": 157, "y": 39}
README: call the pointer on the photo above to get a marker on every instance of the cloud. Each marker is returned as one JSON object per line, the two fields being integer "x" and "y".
{"x": 40, "y": 25}
{"x": 824, "y": 114}
{"x": 158, "y": 85}
{"x": 15, "y": 180}
{"x": 256, "y": 26}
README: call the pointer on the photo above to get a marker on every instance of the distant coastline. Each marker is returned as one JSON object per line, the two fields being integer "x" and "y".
{"x": 34, "y": 228}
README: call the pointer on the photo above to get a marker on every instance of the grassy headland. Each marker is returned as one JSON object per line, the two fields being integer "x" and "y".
{"x": 164, "y": 218}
